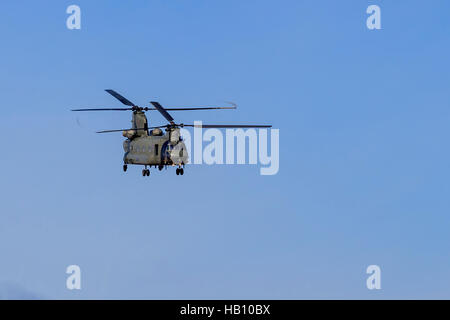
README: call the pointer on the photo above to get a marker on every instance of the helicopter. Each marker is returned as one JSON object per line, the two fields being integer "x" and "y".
{"x": 150, "y": 146}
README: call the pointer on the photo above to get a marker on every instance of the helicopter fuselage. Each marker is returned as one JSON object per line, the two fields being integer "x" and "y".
{"x": 157, "y": 150}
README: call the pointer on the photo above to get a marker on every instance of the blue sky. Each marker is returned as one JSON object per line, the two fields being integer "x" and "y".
{"x": 364, "y": 175}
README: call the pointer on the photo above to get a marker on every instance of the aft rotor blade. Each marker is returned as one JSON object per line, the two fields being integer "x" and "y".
{"x": 163, "y": 111}
{"x": 226, "y": 126}
{"x": 196, "y": 108}
{"x": 119, "y": 97}
{"x": 233, "y": 106}
{"x": 104, "y": 109}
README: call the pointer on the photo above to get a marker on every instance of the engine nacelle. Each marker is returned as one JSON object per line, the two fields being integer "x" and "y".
{"x": 129, "y": 133}
{"x": 157, "y": 132}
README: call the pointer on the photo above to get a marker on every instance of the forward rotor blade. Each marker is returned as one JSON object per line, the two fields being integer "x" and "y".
{"x": 119, "y": 97}
{"x": 226, "y": 126}
{"x": 103, "y": 109}
{"x": 163, "y": 111}
{"x": 109, "y": 131}
{"x": 192, "y": 125}
{"x": 121, "y": 130}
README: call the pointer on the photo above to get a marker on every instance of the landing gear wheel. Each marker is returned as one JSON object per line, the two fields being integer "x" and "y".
{"x": 181, "y": 171}
{"x": 125, "y": 167}
{"x": 160, "y": 168}
{"x": 178, "y": 171}
{"x": 144, "y": 173}
{"x": 148, "y": 173}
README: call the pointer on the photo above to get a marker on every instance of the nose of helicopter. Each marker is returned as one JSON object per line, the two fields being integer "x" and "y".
{"x": 178, "y": 153}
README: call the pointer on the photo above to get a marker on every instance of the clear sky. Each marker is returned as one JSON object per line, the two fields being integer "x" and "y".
{"x": 364, "y": 159}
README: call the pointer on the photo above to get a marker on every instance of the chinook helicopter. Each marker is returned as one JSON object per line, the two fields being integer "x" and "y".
{"x": 150, "y": 146}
